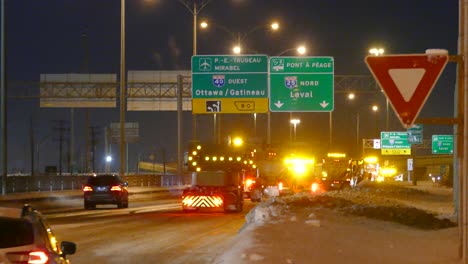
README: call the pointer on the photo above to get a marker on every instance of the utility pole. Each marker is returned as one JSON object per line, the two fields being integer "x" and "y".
{"x": 3, "y": 99}
{"x": 61, "y": 130}
{"x": 122, "y": 88}
{"x": 32, "y": 143}
{"x": 93, "y": 134}
{"x": 84, "y": 37}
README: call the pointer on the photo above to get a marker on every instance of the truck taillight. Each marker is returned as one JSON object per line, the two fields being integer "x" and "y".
{"x": 249, "y": 182}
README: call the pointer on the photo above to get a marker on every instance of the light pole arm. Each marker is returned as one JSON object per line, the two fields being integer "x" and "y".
{"x": 285, "y": 51}
{"x": 235, "y": 36}
{"x": 194, "y": 10}
{"x": 244, "y": 36}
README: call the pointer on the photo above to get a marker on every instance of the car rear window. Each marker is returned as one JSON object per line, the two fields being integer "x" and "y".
{"x": 103, "y": 180}
{"x": 15, "y": 232}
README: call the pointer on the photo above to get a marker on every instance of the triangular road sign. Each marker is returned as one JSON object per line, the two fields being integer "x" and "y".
{"x": 407, "y": 80}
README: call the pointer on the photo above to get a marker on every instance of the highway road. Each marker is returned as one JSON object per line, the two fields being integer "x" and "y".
{"x": 152, "y": 230}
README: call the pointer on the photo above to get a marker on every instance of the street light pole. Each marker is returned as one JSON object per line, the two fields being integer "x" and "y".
{"x": 295, "y": 122}
{"x": 122, "y": 88}
{"x": 194, "y": 10}
{"x": 239, "y": 38}
{"x": 386, "y": 114}
{"x": 3, "y": 101}
{"x": 330, "y": 127}
{"x": 194, "y": 52}
{"x": 255, "y": 124}
{"x": 357, "y": 133}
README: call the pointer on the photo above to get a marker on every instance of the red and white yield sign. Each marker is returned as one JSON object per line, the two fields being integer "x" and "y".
{"x": 407, "y": 80}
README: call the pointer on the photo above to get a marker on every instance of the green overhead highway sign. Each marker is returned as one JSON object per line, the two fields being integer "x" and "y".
{"x": 442, "y": 144}
{"x": 301, "y": 84}
{"x": 229, "y": 84}
{"x": 415, "y": 134}
{"x": 394, "y": 143}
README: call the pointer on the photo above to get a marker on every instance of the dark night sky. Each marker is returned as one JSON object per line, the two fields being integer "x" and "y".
{"x": 46, "y": 37}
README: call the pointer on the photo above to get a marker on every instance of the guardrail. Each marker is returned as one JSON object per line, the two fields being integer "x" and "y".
{"x": 16, "y": 184}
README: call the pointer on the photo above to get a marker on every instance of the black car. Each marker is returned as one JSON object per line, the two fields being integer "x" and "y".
{"x": 105, "y": 189}
{"x": 26, "y": 237}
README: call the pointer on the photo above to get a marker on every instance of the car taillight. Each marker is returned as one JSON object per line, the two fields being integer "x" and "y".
{"x": 38, "y": 257}
{"x": 25, "y": 257}
{"x": 87, "y": 189}
{"x": 116, "y": 188}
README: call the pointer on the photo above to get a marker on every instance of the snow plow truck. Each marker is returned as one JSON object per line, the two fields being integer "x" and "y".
{"x": 217, "y": 177}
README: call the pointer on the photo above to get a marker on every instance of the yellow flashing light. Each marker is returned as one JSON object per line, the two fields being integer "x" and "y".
{"x": 300, "y": 169}
{"x": 230, "y": 158}
{"x": 194, "y": 163}
{"x": 371, "y": 159}
{"x": 387, "y": 171}
{"x": 198, "y": 147}
{"x": 194, "y": 152}
{"x": 198, "y": 169}
{"x": 215, "y": 158}
{"x": 238, "y": 142}
{"x": 250, "y": 162}
{"x": 336, "y": 155}
{"x": 207, "y": 158}
{"x": 221, "y": 158}
{"x": 238, "y": 158}
{"x": 190, "y": 158}
{"x": 254, "y": 166}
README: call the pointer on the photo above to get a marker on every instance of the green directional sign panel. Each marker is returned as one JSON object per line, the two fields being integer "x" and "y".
{"x": 442, "y": 144}
{"x": 415, "y": 134}
{"x": 230, "y": 84}
{"x": 394, "y": 143}
{"x": 301, "y": 84}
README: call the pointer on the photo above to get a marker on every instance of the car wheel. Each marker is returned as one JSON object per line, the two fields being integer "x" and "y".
{"x": 240, "y": 206}
{"x": 89, "y": 205}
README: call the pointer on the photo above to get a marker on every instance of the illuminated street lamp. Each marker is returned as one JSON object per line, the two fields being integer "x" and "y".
{"x": 237, "y": 142}
{"x": 108, "y": 162}
{"x": 236, "y": 49}
{"x": 295, "y": 122}
{"x": 376, "y": 51}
